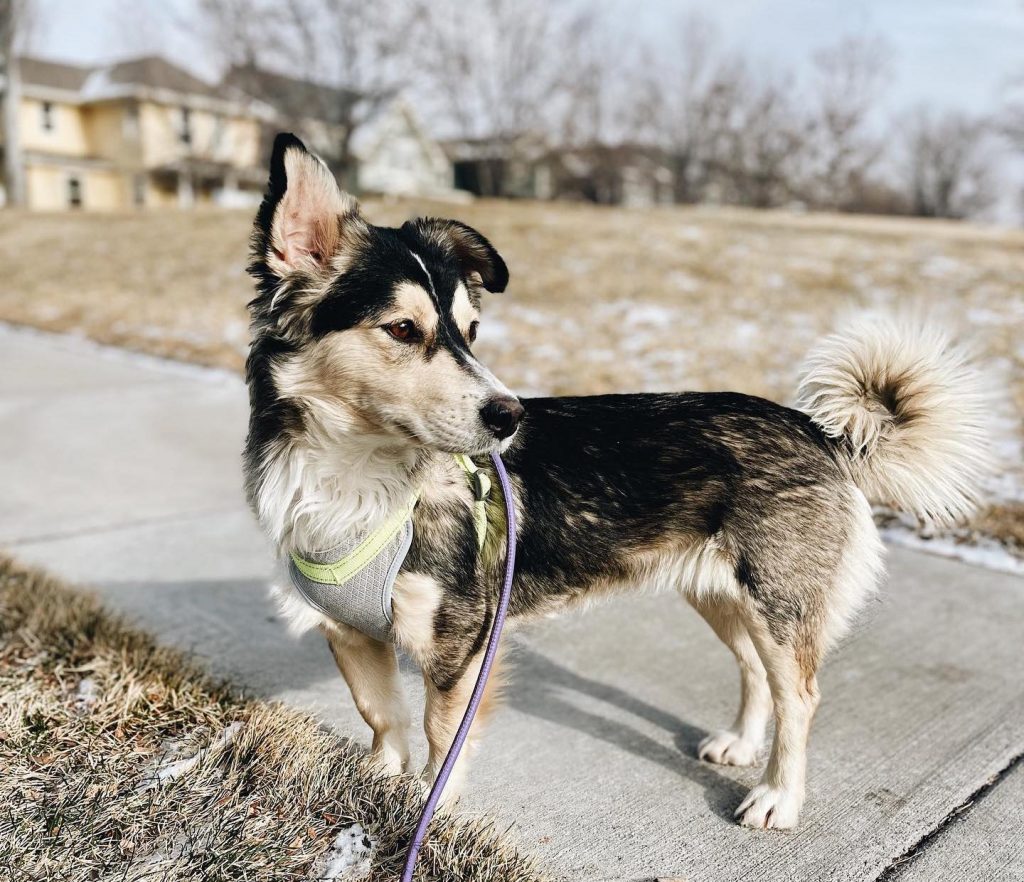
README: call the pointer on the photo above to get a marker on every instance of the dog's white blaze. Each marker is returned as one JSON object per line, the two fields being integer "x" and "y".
{"x": 426, "y": 272}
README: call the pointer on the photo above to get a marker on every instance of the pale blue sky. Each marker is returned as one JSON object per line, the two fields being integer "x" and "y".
{"x": 962, "y": 54}
{"x": 959, "y": 53}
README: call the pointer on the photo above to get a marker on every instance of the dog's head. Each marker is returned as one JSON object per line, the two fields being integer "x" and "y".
{"x": 374, "y": 326}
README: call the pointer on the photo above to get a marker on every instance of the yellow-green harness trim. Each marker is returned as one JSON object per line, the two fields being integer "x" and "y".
{"x": 341, "y": 571}
{"x": 481, "y": 485}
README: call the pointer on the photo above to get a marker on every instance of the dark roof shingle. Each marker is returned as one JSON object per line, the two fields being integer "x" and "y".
{"x": 52, "y": 74}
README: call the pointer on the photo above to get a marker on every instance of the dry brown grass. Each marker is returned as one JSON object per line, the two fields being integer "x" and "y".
{"x": 601, "y": 300}
{"x": 91, "y": 709}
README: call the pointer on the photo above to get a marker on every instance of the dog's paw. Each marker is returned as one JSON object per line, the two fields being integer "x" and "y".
{"x": 391, "y": 761}
{"x": 727, "y": 749}
{"x": 769, "y": 808}
{"x": 452, "y": 792}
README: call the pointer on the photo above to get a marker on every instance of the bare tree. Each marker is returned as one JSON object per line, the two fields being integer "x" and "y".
{"x": 842, "y": 149}
{"x": 947, "y": 165}
{"x": 1012, "y": 116}
{"x": 238, "y": 32}
{"x": 599, "y": 82}
{"x": 315, "y": 61}
{"x": 686, "y": 101}
{"x": 16, "y": 18}
{"x": 759, "y": 151}
{"x": 494, "y": 69}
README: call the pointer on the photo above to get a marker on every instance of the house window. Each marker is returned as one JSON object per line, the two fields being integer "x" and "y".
{"x": 130, "y": 122}
{"x": 218, "y": 133}
{"x": 74, "y": 192}
{"x": 185, "y": 131}
{"x": 139, "y": 190}
{"x": 46, "y": 116}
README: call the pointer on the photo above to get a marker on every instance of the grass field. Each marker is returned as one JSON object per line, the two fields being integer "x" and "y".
{"x": 122, "y": 761}
{"x": 601, "y": 300}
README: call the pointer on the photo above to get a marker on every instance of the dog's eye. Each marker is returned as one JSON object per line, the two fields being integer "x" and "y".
{"x": 473, "y": 328}
{"x": 405, "y": 330}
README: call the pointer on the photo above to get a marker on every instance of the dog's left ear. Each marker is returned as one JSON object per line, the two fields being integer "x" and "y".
{"x": 471, "y": 250}
{"x": 305, "y": 216}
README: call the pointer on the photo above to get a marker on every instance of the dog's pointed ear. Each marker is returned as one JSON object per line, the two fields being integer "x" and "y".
{"x": 471, "y": 250}
{"x": 305, "y": 217}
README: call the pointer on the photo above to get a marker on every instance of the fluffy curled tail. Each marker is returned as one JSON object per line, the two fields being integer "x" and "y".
{"x": 910, "y": 411}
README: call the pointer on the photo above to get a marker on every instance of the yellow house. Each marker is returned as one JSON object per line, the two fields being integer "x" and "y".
{"x": 138, "y": 133}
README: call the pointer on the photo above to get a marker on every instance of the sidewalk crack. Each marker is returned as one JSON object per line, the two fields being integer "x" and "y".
{"x": 896, "y": 868}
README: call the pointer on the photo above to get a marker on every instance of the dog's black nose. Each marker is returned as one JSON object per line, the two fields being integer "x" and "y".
{"x": 502, "y": 415}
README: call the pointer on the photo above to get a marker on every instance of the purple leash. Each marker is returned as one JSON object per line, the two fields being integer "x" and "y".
{"x": 481, "y": 678}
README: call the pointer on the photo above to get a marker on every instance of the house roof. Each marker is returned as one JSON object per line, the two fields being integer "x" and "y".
{"x": 294, "y": 97}
{"x": 528, "y": 145}
{"x": 52, "y": 74}
{"x": 147, "y": 75}
{"x": 158, "y": 73}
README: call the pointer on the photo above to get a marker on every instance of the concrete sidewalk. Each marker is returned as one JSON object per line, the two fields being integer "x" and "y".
{"x": 124, "y": 472}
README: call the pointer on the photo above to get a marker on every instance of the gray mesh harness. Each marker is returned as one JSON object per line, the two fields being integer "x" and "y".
{"x": 363, "y": 599}
{"x": 352, "y": 582}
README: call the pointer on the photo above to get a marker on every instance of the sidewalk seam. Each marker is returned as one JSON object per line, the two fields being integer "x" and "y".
{"x": 75, "y": 533}
{"x": 906, "y": 860}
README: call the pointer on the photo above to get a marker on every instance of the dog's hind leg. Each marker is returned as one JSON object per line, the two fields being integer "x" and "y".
{"x": 447, "y": 698}
{"x": 791, "y": 661}
{"x": 371, "y": 670}
{"x": 738, "y": 745}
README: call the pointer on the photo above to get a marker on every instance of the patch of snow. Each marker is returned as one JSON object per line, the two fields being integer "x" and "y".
{"x": 86, "y": 695}
{"x": 980, "y": 316}
{"x": 745, "y": 333}
{"x": 682, "y": 281}
{"x": 173, "y": 771}
{"x": 939, "y": 267}
{"x": 985, "y": 553}
{"x": 236, "y": 332}
{"x": 347, "y": 859}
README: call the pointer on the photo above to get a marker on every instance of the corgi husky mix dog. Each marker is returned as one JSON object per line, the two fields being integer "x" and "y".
{"x": 363, "y": 384}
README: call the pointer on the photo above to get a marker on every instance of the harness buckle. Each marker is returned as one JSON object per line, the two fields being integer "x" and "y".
{"x": 481, "y": 486}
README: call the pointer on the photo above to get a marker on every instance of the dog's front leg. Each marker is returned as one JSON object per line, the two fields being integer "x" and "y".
{"x": 371, "y": 670}
{"x": 739, "y": 745}
{"x": 447, "y": 694}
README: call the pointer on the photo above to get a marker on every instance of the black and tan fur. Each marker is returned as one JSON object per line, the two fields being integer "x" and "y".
{"x": 754, "y": 512}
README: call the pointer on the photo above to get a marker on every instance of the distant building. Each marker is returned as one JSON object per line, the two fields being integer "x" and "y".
{"x": 633, "y": 175}
{"x": 502, "y": 167}
{"x": 527, "y": 167}
{"x": 374, "y": 144}
{"x": 141, "y": 132}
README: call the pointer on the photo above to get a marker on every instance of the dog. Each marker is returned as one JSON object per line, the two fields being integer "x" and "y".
{"x": 363, "y": 385}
